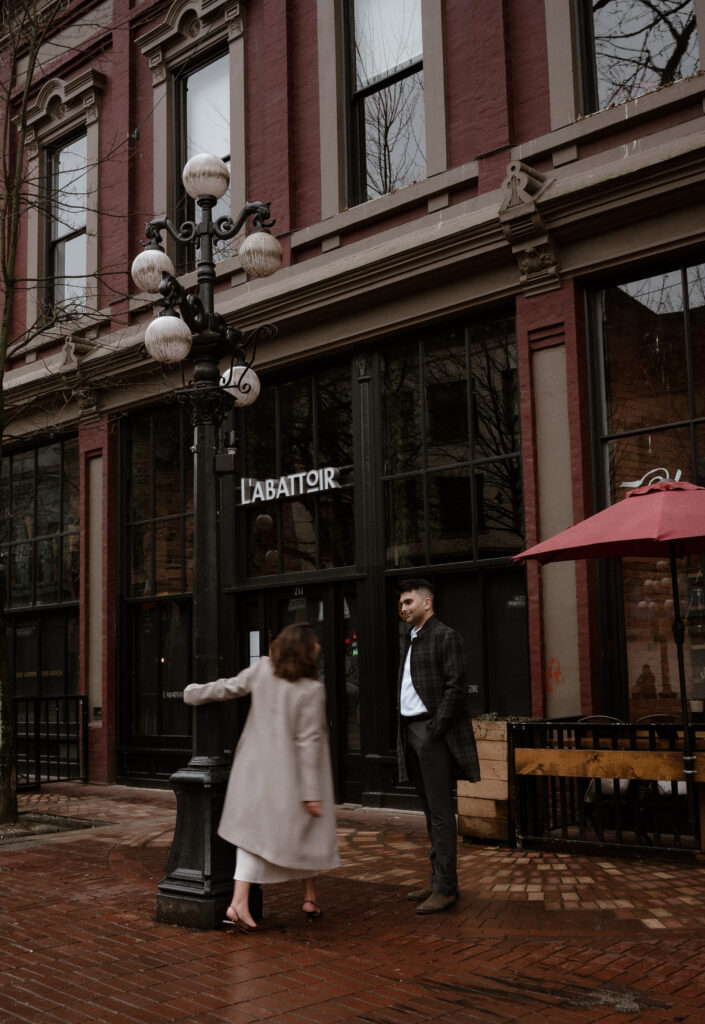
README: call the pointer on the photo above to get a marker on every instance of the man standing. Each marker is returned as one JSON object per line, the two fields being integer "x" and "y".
{"x": 435, "y": 744}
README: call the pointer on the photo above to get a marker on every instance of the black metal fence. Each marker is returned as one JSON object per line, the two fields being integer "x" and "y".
{"x": 52, "y": 740}
{"x": 603, "y": 785}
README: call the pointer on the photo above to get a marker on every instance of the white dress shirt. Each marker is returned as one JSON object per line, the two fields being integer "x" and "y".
{"x": 410, "y": 703}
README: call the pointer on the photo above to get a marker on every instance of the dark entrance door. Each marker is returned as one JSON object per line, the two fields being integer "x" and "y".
{"x": 332, "y": 610}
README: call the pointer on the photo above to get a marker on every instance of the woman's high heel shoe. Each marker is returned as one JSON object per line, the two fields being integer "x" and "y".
{"x": 313, "y": 912}
{"x": 235, "y": 922}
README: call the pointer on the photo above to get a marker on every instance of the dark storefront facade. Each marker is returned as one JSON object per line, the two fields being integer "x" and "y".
{"x": 485, "y": 333}
{"x": 401, "y": 459}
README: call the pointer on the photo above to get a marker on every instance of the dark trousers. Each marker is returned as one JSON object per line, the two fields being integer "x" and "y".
{"x": 430, "y": 767}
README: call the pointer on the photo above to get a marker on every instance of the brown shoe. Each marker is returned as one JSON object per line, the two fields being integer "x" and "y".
{"x": 435, "y": 903}
{"x": 419, "y": 894}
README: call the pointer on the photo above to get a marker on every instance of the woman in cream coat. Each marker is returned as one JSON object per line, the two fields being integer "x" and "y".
{"x": 279, "y": 810}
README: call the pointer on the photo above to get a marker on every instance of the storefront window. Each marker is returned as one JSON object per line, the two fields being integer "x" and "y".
{"x": 39, "y": 526}
{"x": 296, "y": 493}
{"x": 653, "y": 384}
{"x": 453, "y": 487}
{"x": 39, "y": 547}
{"x": 159, "y": 504}
{"x": 158, "y": 545}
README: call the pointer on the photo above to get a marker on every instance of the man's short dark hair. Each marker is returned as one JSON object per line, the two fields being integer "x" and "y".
{"x": 415, "y": 583}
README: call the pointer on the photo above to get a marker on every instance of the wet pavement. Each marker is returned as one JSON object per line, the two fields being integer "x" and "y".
{"x": 536, "y": 937}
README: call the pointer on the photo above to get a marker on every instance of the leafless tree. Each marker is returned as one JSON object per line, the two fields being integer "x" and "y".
{"x": 391, "y": 115}
{"x": 641, "y": 45}
{"x": 30, "y": 42}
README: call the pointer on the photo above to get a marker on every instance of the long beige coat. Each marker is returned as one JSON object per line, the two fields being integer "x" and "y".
{"x": 282, "y": 760}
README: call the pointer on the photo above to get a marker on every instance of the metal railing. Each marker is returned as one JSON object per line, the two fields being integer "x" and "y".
{"x": 52, "y": 740}
{"x": 603, "y": 785}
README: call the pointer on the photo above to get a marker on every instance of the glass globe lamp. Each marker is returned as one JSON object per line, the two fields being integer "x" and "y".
{"x": 260, "y": 254}
{"x": 148, "y": 267}
{"x": 206, "y": 175}
{"x": 168, "y": 339}
{"x": 243, "y": 384}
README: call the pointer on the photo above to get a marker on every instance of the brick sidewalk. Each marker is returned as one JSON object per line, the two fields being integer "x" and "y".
{"x": 539, "y": 938}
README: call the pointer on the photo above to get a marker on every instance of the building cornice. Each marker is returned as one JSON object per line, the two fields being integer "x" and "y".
{"x": 525, "y": 236}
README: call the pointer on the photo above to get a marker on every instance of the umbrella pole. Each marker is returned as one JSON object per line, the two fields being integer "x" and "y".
{"x": 679, "y": 636}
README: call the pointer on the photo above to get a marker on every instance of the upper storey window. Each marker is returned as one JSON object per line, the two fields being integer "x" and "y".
{"x": 631, "y": 47}
{"x": 387, "y": 136}
{"x": 67, "y": 215}
{"x": 203, "y": 126}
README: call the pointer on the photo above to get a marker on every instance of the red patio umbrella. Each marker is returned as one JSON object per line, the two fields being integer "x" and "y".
{"x": 665, "y": 518}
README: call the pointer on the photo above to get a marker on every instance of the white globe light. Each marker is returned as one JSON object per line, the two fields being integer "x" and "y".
{"x": 260, "y": 254}
{"x": 243, "y": 384}
{"x": 206, "y": 175}
{"x": 147, "y": 269}
{"x": 168, "y": 339}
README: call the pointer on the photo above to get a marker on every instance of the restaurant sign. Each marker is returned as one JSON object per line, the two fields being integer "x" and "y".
{"x": 291, "y": 486}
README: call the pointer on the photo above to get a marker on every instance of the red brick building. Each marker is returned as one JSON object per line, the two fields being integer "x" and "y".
{"x": 489, "y": 321}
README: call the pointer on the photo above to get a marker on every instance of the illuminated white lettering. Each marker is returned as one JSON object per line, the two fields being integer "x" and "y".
{"x": 290, "y": 486}
{"x": 329, "y": 478}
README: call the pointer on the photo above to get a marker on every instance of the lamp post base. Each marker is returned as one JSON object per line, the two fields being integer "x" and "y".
{"x": 198, "y": 886}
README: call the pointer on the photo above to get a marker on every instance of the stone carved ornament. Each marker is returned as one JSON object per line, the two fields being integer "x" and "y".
{"x": 524, "y": 229}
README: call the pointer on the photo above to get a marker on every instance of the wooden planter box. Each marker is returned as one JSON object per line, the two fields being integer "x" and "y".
{"x": 483, "y": 807}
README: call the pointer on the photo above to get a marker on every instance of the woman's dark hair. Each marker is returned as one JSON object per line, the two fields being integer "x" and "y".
{"x": 293, "y": 653}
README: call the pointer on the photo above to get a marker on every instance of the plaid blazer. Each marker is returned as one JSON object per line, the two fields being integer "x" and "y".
{"x": 438, "y": 675}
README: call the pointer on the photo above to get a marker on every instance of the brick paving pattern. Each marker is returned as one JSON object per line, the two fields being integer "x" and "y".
{"x": 536, "y": 937}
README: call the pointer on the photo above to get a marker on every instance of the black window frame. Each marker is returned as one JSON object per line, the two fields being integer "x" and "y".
{"x": 35, "y": 541}
{"x": 52, "y": 301}
{"x": 614, "y": 694}
{"x": 275, "y": 509}
{"x": 587, "y": 68}
{"x": 356, "y": 162}
{"x": 184, "y": 206}
{"x": 475, "y": 464}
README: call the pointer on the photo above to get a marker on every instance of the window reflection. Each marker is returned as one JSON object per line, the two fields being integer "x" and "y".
{"x": 402, "y": 410}
{"x": 651, "y": 331}
{"x": 159, "y": 501}
{"x": 205, "y": 104}
{"x": 493, "y": 362}
{"x": 446, "y": 391}
{"x": 450, "y": 516}
{"x": 336, "y": 529}
{"x": 500, "y": 509}
{"x": 299, "y": 535}
{"x": 451, "y": 398}
{"x": 334, "y": 408}
{"x": 39, "y": 491}
{"x": 302, "y": 426}
{"x": 48, "y": 518}
{"x": 388, "y": 119}
{"x": 404, "y": 522}
{"x": 630, "y": 458}
{"x": 643, "y": 329}
{"x": 296, "y": 426}
{"x": 635, "y": 46}
{"x": 67, "y": 225}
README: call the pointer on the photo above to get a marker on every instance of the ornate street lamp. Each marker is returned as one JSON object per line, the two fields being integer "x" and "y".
{"x": 198, "y": 883}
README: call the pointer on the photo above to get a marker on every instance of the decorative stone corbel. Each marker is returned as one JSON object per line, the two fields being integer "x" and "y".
{"x": 75, "y": 349}
{"x": 520, "y": 217}
{"x": 76, "y": 389}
